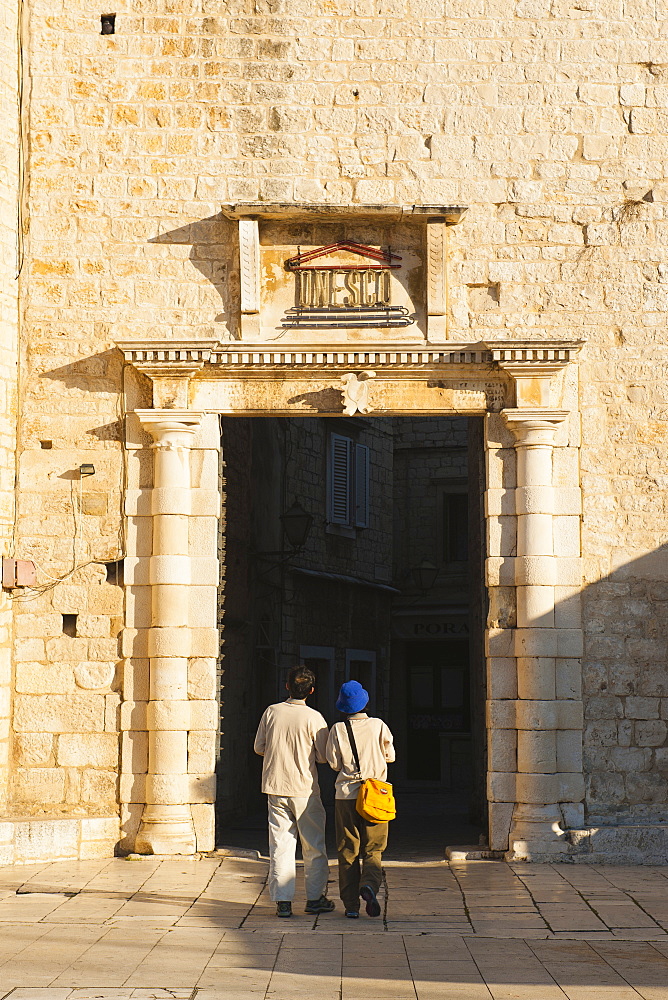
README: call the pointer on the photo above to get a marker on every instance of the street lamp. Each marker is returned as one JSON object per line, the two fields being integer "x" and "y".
{"x": 425, "y": 575}
{"x": 296, "y": 525}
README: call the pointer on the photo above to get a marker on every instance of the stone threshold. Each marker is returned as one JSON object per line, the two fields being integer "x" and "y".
{"x": 475, "y": 852}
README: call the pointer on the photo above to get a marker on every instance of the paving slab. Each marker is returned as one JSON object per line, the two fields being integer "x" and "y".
{"x": 155, "y": 929}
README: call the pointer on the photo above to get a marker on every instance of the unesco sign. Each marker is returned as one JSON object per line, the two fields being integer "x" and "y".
{"x": 343, "y": 293}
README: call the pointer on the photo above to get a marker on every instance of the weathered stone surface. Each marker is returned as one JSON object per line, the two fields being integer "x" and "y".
{"x": 99, "y": 788}
{"x": 94, "y": 675}
{"x": 88, "y": 750}
{"x": 202, "y": 678}
{"x": 49, "y": 678}
{"x": 74, "y": 713}
{"x": 33, "y": 749}
{"x": 39, "y": 840}
{"x": 39, "y": 785}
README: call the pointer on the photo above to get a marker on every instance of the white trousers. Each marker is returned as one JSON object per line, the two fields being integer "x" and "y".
{"x": 288, "y": 816}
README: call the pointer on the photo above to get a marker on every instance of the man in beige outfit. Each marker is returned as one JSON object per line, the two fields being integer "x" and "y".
{"x": 292, "y": 737}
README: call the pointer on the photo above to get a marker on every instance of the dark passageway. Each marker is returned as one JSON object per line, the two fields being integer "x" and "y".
{"x": 355, "y": 546}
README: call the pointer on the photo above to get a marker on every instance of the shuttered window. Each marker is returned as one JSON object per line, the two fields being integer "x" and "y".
{"x": 347, "y": 482}
{"x": 340, "y": 467}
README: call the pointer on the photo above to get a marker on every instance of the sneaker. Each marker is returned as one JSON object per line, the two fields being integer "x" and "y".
{"x": 322, "y": 905}
{"x": 353, "y": 914}
{"x": 372, "y": 904}
{"x": 283, "y": 909}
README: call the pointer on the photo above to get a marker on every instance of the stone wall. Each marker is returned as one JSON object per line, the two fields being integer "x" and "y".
{"x": 427, "y": 455}
{"x": 336, "y": 614}
{"x": 10, "y": 193}
{"x": 549, "y": 122}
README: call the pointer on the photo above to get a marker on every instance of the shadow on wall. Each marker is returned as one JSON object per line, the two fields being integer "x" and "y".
{"x": 96, "y": 373}
{"x": 107, "y": 373}
{"x": 625, "y": 692}
{"x": 213, "y": 242}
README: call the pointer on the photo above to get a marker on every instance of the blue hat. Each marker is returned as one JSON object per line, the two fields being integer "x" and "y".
{"x": 352, "y": 698}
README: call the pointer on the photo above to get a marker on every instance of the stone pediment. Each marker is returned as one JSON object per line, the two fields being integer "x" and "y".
{"x": 344, "y": 255}
{"x": 345, "y": 285}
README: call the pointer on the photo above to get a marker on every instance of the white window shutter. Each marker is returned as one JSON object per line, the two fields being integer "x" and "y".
{"x": 361, "y": 491}
{"x": 340, "y": 462}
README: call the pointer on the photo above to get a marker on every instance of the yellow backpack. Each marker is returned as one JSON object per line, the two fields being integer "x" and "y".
{"x": 375, "y": 799}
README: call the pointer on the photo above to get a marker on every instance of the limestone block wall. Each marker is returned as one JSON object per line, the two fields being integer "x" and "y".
{"x": 549, "y": 124}
{"x": 427, "y": 454}
{"x": 10, "y": 191}
{"x": 65, "y": 749}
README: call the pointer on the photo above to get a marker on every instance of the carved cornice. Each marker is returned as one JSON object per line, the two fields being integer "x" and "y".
{"x": 292, "y": 212}
{"x": 171, "y": 355}
{"x": 173, "y": 358}
{"x": 533, "y": 354}
{"x": 328, "y": 357}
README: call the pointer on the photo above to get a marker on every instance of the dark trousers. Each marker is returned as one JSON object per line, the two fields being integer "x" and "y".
{"x": 360, "y": 847}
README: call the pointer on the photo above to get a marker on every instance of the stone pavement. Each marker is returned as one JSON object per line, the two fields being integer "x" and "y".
{"x": 205, "y": 929}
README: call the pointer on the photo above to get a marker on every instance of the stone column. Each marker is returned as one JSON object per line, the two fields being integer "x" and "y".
{"x": 537, "y": 818}
{"x": 167, "y": 823}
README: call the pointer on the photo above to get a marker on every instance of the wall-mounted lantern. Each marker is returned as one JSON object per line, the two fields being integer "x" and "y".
{"x": 425, "y": 575}
{"x": 296, "y": 525}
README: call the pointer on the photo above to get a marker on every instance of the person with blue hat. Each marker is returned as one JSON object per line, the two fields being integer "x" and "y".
{"x": 359, "y": 843}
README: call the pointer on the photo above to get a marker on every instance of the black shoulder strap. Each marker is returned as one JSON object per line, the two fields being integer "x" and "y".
{"x": 353, "y": 745}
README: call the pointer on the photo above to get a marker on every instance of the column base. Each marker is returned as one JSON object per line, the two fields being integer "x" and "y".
{"x": 166, "y": 830}
{"x": 536, "y": 834}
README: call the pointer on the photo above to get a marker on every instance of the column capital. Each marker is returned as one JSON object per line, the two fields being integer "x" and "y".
{"x": 534, "y": 426}
{"x": 171, "y": 428}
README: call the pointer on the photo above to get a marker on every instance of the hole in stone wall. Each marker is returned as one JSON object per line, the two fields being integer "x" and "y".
{"x": 46, "y": 445}
{"x": 108, "y": 24}
{"x": 115, "y": 572}
{"x": 70, "y": 625}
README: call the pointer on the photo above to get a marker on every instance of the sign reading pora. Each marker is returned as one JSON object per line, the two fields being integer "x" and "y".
{"x": 338, "y": 294}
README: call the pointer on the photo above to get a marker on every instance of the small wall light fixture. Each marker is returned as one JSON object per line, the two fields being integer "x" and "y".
{"x": 296, "y": 525}
{"x": 86, "y": 470}
{"x": 425, "y": 575}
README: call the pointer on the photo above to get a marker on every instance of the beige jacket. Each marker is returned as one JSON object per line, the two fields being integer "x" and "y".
{"x": 292, "y": 738}
{"x": 374, "y": 746}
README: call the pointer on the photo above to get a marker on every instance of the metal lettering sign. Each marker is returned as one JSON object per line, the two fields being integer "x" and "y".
{"x": 342, "y": 294}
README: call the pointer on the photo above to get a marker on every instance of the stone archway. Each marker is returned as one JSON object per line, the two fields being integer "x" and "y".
{"x": 532, "y": 508}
